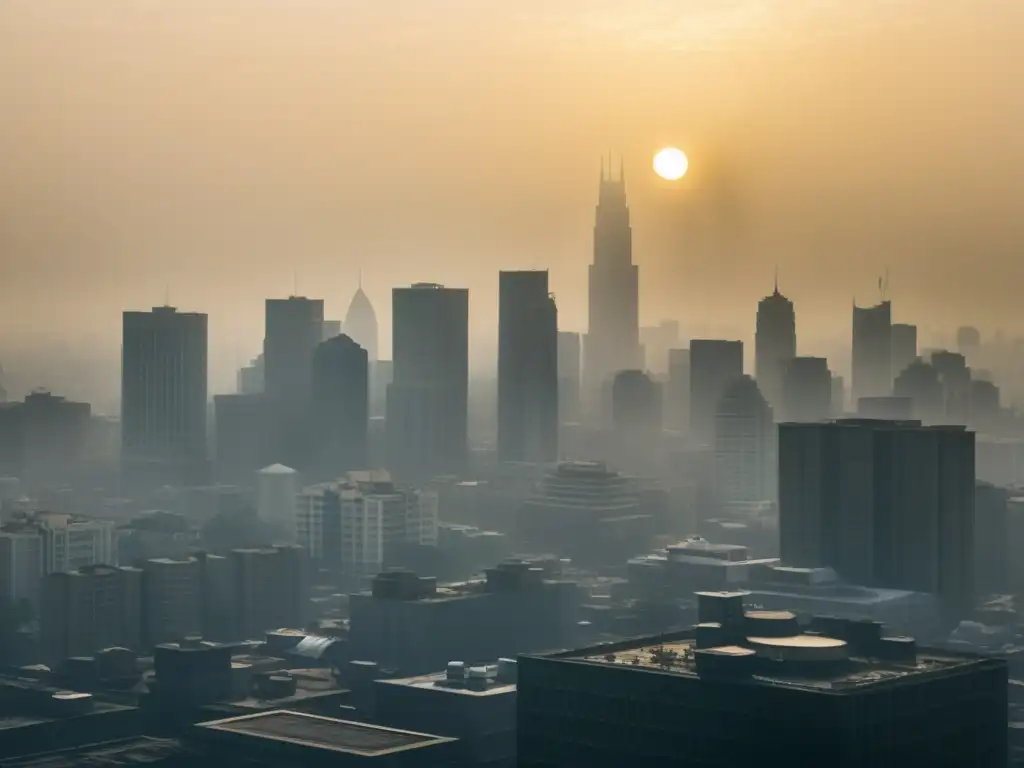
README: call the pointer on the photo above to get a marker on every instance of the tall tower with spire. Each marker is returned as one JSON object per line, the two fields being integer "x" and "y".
{"x": 613, "y": 336}
{"x": 774, "y": 343}
{"x": 361, "y": 322}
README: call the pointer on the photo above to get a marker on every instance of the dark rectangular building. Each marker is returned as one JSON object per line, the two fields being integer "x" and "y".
{"x": 527, "y": 368}
{"x": 714, "y": 364}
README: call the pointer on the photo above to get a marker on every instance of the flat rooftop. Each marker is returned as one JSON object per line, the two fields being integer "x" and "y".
{"x": 673, "y": 654}
{"x": 326, "y": 733}
{"x": 438, "y": 681}
{"x": 129, "y": 752}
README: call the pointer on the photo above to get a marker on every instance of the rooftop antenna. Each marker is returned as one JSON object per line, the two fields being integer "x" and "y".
{"x": 883, "y": 285}
{"x": 776, "y": 279}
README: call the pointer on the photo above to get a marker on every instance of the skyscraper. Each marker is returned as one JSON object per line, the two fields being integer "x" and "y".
{"x": 886, "y": 504}
{"x": 613, "y": 335}
{"x": 744, "y": 461}
{"x": 570, "y": 362}
{"x": 294, "y": 326}
{"x": 774, "y": 344}
{"x": 527, "y": 368}
{"x": 163, "y": 396}
{"x": 341, "y": 408}
{"x": 677, "y": 392}
{"x": 904, "y": 347}
{"x": 427, "y": 400}
{"x": 361, "y": 323}
{"x": 714, "y": 364}
{"x": 872, "y": 351}
{"x": 807, "y": 390}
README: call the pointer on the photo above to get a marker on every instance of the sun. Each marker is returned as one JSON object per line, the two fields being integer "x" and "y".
{"x": 670, "y": 163}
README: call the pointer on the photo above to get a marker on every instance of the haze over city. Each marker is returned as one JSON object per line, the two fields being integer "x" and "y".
{"x": 219, "y": 152}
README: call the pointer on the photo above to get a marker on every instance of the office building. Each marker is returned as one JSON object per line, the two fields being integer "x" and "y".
{"x": 243, "y": 438}
{"x": 636, "y": 407}
{"x": 872, "y": 351}
{"x": 329, "y": 329}
{"x": 846, "y": 696}
{"x": 904, "y": 346}
{"x": 427, "y": 409}
{"x": 89, "y": 609}
{"x": 968, "y": 340}
{"x": 838, "y": 395}
{"x": 270, "y": 590}
{"x": 44, "y": 440}
{"x": 807, "y": 390}
{"x": 920, "y": 383}
{"x": 172, "y": 600}
{"x": 277, "y": 487}
{"x": 714, "y": 364}
{"x": 249, "y": 380}
{"x": 570, "y": 363}
{"x": 527, "y": 368}
{"x": 956, "y": 384}
{"x": 677, "y": 390}
{"x": 744, "y": 465}
{"x": 341, "y": 408}
{"x": 361, "y": 323}
{"x": 774, "y": 344}
{"x": 886, "y": 408}
{"x": 294, "y": 327}
{"x": 886, "y": 504}
{"x": 656, "y": 341}
{"x": 612, "y": 343}
{"x": 163, "y": 397}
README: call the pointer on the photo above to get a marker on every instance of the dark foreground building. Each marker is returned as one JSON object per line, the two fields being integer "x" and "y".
{"x": 749, "y": 688}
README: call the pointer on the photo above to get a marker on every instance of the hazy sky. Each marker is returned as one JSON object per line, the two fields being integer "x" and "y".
{"x": 214, "y": 148}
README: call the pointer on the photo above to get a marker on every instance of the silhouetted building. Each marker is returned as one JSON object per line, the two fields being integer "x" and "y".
{"x": 361, "y": 323}
{"x": 270, "y": 589}
{"x": 44, "y": 439}
{"x": 612, "y": 343}
{"x": 846, "y": 696}
{"x": 920, "y": 382}
{"x": 991, "y": 545}
{"x": 904, "y": 346}
{"x": 886, "y": 408}
{"x": 886, "y": 504}
{"x": 172, "y": 600}
{"x": 249, "y": 380}
{"x": 657, "y": 340}
{"x": 677, "y": 390}
{"x": 968, "y": 340}
{"x": 774, "y": 344}
{"x": 427, "y": 408}
{"x": 807, "y": 390}
{"x": 636, "y": 406}
{"x": 838, "y": 395}
{"x": 985, "y": 407}
{"x": 329, "y": 329}
{"x": 714, "y": 364}
{"x": 744, "y": 462}
{"x": 341, "y": 407}
{"x": 956, "y": 384}
{"x": 527, "y": 368}
{"x": 163, "y": 396}
{"x": 294, "y": 328}
{"x": 243, "y": 434}
{"x": 277, "y": 488}
{"x": 570, "y": 364}
{"x": 89, "y": 609}
{"x": 872, "y": 351}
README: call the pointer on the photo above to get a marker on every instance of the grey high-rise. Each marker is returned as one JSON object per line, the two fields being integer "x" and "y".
{"x": 570, "y": 362}
{"x": 163, "y": 396}
{"x": 904, "y": 347}
{"x": 527, "y": 368}
{"x": 294, "y": 326}
{"x": 807, "y": 390}
{"x": 341, "y": 408}
{"x": 872, "y": 351}
{"x": 774, "y": 344}
{"x": 427, "y": 401}
{"x": 714, "y": 365}
{"x": 613, "y": 334}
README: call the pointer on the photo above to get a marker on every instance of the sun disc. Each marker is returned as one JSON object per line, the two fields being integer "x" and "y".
{"x": 671, "y": 163}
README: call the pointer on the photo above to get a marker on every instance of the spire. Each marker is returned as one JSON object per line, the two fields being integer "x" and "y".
{"x": 360, "y": 285}
{"x": 776, "y": 292}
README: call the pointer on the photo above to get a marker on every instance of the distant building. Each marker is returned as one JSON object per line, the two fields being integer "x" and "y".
{"x": 427, "y": 408}
{"x": 904, "y": 346}
{"x": 270, "y": 590}
{"x": 294, "y": 327}
{"x": 872, "y": 351}
{"x": 244, "y": 430}
{"x": 657, "y": 341}
{"x": 341, "y": 407}
{"x": 956, "y": 384}
{"x": 807, "y": 390}
{"x": 329, "y": 329}
{"x": 968, "y": 340}
{"x": 250, "y": 377}
{"x": 886, "y": 504}
{"x": 714, "y": 364}
{"x": 744, "y": 463}
{"x": 163, "y": 397}
{"x": 886, "y": 408}
{"x": 775, "y": 344}
{"x": 527, "y": 368}
{"x": 636, "y": 406}
{"x": 570, "y": 362}
{"x": 920, "y": 383}
{"x": 798, "y": 694}
{"x": 277, "y": 487}
{"x": 361, "y": 323}
{"x": 44, "y": 440}
{"x": 89, "y": 609}
{"x": 677, "y": 390}
{"x": 172, "y": 600}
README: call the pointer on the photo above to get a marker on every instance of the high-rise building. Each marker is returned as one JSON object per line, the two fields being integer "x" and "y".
{"x": 807, "y": 390}
{"x": 294, "y": 327}
{"x": 172, "y": 600}
{"x": 249, "y": 380}
{"x": 271, "y": 590}
{"x": 714, "y": 364}
{"x": 243, "y": 436}
{"x": 886, "y": 504}
{"x": 44, "y": 439}
{"x": 570, "y": 362}
{"x": 636, "y": 406}
{"x": 677, "y": 390}
{"x": 838, "y": 395}
{"x": 774, "y": 344}
{"x": 527, "y": 368}
{"x": 744, "y": 465}
{"x": 341, "y": 407}
{"x": 920, "y": 382}
{"x": 329, "y": 329}
{"x": 276, "y": 492}
{"x": 612, "y": 343}
{"x": 361, "y": 323}
{"x": 968, "y": 340}
{"x": 872, "y": 351}
{"x": 163, "y": 396}
{"x": 427, "y": 409}
{"x": 657, "y": 341}
{"x": 904, "y": 346}
{"x": 956, "y": 384}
